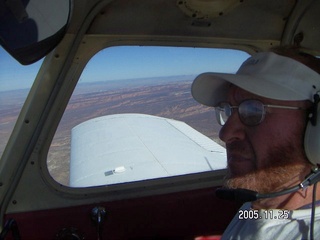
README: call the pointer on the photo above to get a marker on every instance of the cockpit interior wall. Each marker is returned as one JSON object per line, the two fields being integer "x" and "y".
{"x": 177, "y": 215}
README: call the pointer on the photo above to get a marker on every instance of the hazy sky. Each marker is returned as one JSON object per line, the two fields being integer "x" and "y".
{"x": 13, "y": 75}
{"x": 130, "y": 62}
{"x": 138, "y": 62}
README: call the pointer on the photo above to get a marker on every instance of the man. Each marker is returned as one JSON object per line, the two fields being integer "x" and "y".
{"x": 268, "y": 115}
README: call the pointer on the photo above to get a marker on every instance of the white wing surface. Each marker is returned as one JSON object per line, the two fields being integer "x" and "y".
{"x": 132, "y": 147}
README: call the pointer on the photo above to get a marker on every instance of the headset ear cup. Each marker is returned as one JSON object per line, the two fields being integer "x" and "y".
{"x": 312, "y": 140}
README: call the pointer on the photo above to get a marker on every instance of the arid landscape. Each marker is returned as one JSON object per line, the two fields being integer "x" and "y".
{"x": 161, "y": 97}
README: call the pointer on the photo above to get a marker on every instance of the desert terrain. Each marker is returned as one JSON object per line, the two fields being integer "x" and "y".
{"x": 165, "y": 97}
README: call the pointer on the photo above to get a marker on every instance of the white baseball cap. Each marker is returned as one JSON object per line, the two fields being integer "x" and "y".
{"x": 265, "y": 74}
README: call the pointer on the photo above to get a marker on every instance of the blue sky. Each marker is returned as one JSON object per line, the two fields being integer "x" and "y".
{"x": 138, "y": 62}
{"x": 129, "y": 62}
{"x": 13, "y": 75}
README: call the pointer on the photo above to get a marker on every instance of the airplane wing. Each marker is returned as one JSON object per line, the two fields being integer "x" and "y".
{"x": 133, "y": 147}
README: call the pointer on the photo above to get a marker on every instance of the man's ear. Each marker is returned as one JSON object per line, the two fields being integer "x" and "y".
{"x": 312, "y": 134}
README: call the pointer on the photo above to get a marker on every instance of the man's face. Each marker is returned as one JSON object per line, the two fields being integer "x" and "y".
{"x": 267, "y": 157}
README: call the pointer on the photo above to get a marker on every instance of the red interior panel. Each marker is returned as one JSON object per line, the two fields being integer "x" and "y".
{"x": 183, "y": 215}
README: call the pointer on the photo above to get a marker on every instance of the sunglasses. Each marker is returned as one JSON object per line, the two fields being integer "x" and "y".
{"x": 251, "y": 112}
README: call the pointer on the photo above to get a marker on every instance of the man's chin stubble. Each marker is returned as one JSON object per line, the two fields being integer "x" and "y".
{"x": 275, "y": 176}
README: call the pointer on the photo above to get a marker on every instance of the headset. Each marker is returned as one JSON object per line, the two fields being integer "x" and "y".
{"x": 312, "y": 133}
{"x": 245, "y": 195}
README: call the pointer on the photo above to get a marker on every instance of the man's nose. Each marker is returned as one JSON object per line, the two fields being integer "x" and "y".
{"x": 233, "y": 129}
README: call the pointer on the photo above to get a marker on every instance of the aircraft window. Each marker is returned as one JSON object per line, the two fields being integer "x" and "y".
{"x": 15, "y": 83}
{"x": 132, "y": 117}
